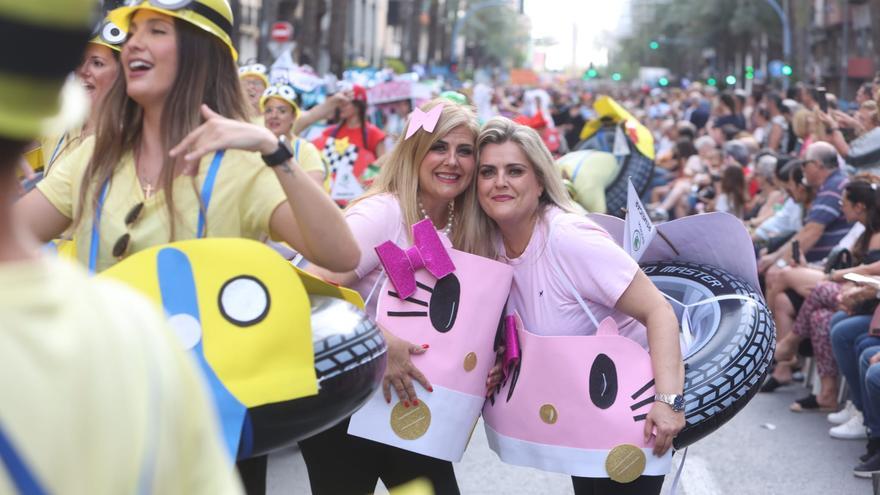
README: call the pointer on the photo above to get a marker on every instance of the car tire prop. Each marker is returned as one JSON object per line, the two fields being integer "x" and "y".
{"x": 728, "y": 339}
{"x": 349, "y": 362}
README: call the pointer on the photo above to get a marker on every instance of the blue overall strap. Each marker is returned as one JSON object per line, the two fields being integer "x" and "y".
{"x": 577, "y": 167}
{"x": 207, "y": 189}
{"x": 296, "y": 149}
{"x": 96, "y": 238}
{"x": 55, "y": 153}
{"x": 22, "y": 478}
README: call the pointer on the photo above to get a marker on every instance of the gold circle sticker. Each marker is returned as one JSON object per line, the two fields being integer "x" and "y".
{"x": 548, "y": 414}
{"x": 410, "y": 422}
{"x": 470, "y": 361}
{"x": 625, "y": 463}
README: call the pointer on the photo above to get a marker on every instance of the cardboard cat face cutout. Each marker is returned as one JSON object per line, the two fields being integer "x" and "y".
{"x": 573, "y": 402}
{"x": 456, "y": 316}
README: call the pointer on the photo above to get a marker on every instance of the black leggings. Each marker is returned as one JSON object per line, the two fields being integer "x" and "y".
{"x": 643, "y": 485}
{"x": 342, "y": 464}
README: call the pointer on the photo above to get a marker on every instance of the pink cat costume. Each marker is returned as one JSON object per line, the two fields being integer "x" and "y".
{"x": 598, "y": 388}
{"x": 454, "y": 305}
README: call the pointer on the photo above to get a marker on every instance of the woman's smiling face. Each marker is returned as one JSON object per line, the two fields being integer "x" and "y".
{"x": 507, "y": 187}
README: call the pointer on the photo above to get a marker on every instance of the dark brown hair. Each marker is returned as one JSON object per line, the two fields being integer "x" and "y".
{"x": 206, "y": 73}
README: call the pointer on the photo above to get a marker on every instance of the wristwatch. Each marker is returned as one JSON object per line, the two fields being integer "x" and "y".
{"x": 280, "y": 155}
{"x": 676, "y": 401}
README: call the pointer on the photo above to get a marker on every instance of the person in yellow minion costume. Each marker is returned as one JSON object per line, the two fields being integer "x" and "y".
{"x": 255, "y": 81}
{"x": 97, "y": 397}
{"x": 280, "y": 110}
{"x": 173, "y": 157}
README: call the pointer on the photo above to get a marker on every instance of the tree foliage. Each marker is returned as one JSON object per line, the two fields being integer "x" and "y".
{"x": 498, "y": 37}
{"x": 685, "y": 29}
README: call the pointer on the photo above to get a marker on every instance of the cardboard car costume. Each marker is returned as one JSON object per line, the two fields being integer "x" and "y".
{"x": 245, "y": 314}
{"x": 452, "y": 301}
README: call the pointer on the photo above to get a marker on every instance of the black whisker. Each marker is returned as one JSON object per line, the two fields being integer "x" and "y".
{"x": 640, "y": 417}
{"x": 408, "y": 299}
{"x": 425, "y": 287}
{"x": 642, "y": 403}
{"x": 407, "y": 313}
{"x": 643, "y": 389}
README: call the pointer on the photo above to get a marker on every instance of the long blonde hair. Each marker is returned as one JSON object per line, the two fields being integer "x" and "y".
{"x": 206, "y": 74}
{"x": 400, "y": 170}
{"x": 499, "y": 130}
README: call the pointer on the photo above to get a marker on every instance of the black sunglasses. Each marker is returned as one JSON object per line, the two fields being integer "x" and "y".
{"x": 120, "y": 247}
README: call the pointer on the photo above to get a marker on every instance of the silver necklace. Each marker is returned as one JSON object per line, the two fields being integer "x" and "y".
{"x": 448, "y": 228}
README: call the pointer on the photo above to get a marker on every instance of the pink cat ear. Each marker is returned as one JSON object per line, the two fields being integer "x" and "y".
{"x": 608, "y": 327}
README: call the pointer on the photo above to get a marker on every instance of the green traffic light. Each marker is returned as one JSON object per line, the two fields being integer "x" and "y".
{"x": 711, "y": 81}
{"x": 749, "y": 75}
{"x": 616, "y": 76}
{"x": 749, "y": 68}
{"x": 592, "y": 73}
{"x": 654, "y": 45}
{"x": 730, "y": 80}
{"x": 663, "y": 81}
{"x": 786, "y": 70}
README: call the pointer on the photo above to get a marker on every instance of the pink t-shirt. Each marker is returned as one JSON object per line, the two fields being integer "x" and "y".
{"x": 597, "y": 267}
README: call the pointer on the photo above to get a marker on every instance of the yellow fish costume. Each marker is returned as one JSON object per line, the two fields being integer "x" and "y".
{"x": 245, "y": 313}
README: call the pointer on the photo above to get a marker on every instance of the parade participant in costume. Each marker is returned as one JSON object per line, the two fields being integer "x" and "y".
{"x": 70, "y": 344}
{"x": 532, "y": 223}
{"x": 254, "y": 82}
{"x": 350, "y": 147}
{"x": 280, "y": 111}
{"x": 427, "y": 175}
{"x": 96, "y": 72}
{"x": 189, "y": 191}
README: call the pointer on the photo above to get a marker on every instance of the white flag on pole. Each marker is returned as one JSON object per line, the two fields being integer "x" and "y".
{"x": 638, "y": 230}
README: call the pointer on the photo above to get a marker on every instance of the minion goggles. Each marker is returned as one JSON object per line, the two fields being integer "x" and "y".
{"x": 109, "y": 34}
{"x": 282, "y": 92}
{"x": 213, "y": 16}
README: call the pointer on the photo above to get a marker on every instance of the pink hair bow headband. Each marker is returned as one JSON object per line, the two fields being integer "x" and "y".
{"x": 425, "y": 120}
{"x": 427, "y": 252}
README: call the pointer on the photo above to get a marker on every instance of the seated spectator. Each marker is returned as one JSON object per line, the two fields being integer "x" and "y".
{"x": 788, "y": 219}
{"x": 732, "y": 196}
{"x": 869, "y": 385}
{"x": 768, "y": 197}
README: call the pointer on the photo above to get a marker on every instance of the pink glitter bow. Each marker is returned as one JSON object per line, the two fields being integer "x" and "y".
{"x": 512, "y": 352}
{"x": 427, "y": 252}
{"x": 425, "y": 120}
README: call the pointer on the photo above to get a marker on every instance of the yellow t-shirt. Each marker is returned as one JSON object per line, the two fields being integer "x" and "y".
{"x": 308, "y": 157}
{"x": 245, "y": 195}
{"x": 53, "y": 148}
{"x": 96, "y": 391}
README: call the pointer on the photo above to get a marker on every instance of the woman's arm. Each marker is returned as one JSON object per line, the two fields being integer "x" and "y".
{"x": 309, "y": 220}
{"x": 645, "y": 303}
{"x": 40, "y": 216}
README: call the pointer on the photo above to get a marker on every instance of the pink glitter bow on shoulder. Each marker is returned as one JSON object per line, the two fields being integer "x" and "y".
{"x": 427, "y": 252}
{"x": 425, "y": 120}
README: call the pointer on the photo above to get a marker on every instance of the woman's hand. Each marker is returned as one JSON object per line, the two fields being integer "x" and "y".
{"x": 400, "y": 371}
{"x": 219, "y": 133}
{"x": 666, "y": 423}
{"x": 496, "y": 374}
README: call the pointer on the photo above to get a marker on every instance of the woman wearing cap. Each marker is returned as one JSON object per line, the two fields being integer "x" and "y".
{"x": 253, "y": 78}
{"x": 425, "y": 176}
{"x": 97, "y": 72}
{"x": 350, "y": 147}
{"x": 280, "y": 110}
{"x": 530, "y": 222}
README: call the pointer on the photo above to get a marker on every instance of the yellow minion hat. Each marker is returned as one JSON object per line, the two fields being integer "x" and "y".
{"x": 214, "y": 16}
{"x": 254, "y": 70}
{"x": 282, "y": 92}
{"x": 108, "y": 34}
{"x": 55, "y": 33}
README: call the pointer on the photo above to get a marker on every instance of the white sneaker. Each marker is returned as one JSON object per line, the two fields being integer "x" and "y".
{"x": 842, "y": 416}
{"x": 854, "y": 429}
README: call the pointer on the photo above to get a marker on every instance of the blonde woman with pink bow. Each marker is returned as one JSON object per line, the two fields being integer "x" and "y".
{"x": 427, "y": 175}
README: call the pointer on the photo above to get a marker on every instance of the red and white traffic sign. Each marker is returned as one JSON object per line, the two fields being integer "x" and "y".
{"x": 282, "y": 31}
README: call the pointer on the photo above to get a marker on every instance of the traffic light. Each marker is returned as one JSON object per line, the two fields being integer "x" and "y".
{"x": 786, "y": 70}
{"x": 750, "y": 72}
{"x": 616, "y": 76}
{"x": 711, "y": 81}
{"x": 653, "y": 45}
{"x": 663, "y": 82}
{"x": 730, "y": 80}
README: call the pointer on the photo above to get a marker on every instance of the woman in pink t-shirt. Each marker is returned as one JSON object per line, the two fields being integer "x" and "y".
{"x": 425, "y": 176}
{"x": 562, "y": 259}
